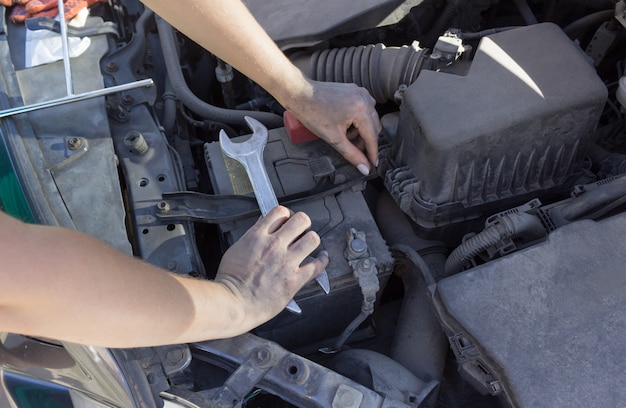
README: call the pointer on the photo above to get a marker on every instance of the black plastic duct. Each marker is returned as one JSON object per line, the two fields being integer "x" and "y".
{"x": 609, "y": 194}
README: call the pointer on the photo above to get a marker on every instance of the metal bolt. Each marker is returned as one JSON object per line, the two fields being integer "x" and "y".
{"x": 358, "y": 245}
{"x": 122, "y": 116}
{"x": 128, "y": 100}
{"x": 112, "y": 66}
{"x": 174, "y": 356}
{"x": 366, "y": 263}
{"x": 263, "y": 355}
{"x": 172, "y": 265}
{"x": 74, "y": 143}
{"x": 163, "y": 207}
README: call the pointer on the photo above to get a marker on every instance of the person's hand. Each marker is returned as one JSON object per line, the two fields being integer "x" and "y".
{"x": 344, "y": 115}
{"x": 262, "y": 270}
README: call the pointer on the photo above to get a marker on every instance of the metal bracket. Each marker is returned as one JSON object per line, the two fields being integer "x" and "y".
{"x": 295, "y": 379}
{"x": 63, "y": 150}
{"x": 247, "y": 375}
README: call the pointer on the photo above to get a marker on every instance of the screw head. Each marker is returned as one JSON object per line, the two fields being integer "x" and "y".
{"x": 163, "y": 207}
{"x": 74, "y": 143}
{"x": 263, "y": 357}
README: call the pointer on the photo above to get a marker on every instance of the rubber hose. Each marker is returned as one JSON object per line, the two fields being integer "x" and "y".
{"x": 443, "y": 22}
{"x": 591, "y": 20}
{"x": 419, "y": 343}
{"x": 525, "y": 11}
{"x": 480, "y": 34}
{"x": 510, "y": 226}
{"x": 134, "y": 52}
{"x": 378, "y": 69}
{"x": 198, "y": 106}
{"x": 169, "y": 108}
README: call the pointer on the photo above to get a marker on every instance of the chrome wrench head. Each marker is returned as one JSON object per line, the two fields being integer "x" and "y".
{"x": 251, "y": 147}
{"x": 250, "y": 155}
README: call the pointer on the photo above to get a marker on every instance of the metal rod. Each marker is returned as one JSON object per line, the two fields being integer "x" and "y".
{"x": 69, "y": 85}
{"x": 76, "y": 98}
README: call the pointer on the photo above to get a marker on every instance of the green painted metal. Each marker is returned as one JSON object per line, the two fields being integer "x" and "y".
{"x": 12, "y": 198}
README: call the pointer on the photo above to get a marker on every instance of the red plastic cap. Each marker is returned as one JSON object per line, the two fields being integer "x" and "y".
{"x": 296, "y": 131}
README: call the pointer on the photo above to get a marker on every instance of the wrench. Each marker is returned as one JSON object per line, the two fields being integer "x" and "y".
{"x": 250, "y": 155}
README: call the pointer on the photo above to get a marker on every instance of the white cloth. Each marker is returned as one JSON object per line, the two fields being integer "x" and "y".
{"x": 45, "y": 46}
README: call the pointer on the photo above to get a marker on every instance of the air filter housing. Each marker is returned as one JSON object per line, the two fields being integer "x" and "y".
{"x": 519, "y": 123}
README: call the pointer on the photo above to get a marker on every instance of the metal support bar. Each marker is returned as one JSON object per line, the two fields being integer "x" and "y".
{"x": 76, "y": 98}
{"x": 66, "y": 52}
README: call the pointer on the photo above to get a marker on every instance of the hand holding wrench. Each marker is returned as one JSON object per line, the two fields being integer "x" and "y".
{"x": 250, "y": 155}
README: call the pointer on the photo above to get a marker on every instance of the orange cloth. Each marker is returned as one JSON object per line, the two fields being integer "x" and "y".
{"x": 23, "y": 9}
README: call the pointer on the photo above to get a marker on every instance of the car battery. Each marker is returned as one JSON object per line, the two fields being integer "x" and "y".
{"x": 309, "y": 177}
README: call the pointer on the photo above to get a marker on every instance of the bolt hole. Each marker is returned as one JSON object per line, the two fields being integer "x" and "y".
{"x": 143, "y": 182}
{"x": 145, "y": 231}
{"x": 171, "y": 227}
{"x": 293, "y": 370}
{"x": 161, "y": 177}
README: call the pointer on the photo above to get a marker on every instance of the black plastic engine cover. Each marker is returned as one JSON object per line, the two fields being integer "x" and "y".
{"x": 519, "y": 122}
{"x": 546, "y": 325}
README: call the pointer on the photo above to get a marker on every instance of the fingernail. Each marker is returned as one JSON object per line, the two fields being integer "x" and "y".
{"x": 377, "y": 161}
{"x": 363, "y": 169}
{"x": 325, "y": 253}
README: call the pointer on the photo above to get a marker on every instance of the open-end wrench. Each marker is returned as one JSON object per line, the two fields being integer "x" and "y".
{"x": 250, "y": 155}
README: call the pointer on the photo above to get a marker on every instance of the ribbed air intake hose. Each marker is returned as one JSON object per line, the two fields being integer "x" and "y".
{"x": 379, "y": 69}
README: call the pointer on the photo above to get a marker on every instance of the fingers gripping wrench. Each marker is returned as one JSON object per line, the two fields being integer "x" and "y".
{"x": 250, "y": 155}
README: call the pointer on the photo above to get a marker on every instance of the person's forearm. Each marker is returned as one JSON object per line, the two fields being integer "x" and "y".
{"x": 227, "y": 29}
{"x": 65, "y": 285}
{"x": 69, "y": 286}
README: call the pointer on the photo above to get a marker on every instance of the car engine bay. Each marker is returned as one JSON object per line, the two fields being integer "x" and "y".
{"x": 479, "y": 265}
